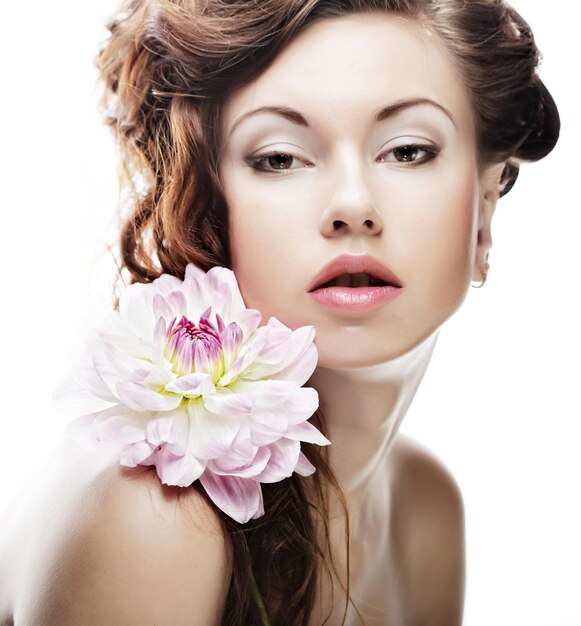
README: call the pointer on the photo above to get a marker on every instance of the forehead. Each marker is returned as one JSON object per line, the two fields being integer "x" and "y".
{"x": 341, "y": 68}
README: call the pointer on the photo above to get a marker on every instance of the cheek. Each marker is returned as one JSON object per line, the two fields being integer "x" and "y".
{"x": 251, "y": 246}
{"x": 444, "y": 236}
{"x": 263, "y": 241}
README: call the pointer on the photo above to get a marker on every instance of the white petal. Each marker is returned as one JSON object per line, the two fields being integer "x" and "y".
{"x": 273, "y": 417}
{"x": 240, "y": 498}
{"x": 210, "y": 435}
{"x": 302, "y": 368}
{"x": 304, "y": 467}
{"x": 301, "y": 405}
{"x": 284, "y": 456}
{"x": 263, "y": 435}
{"x": 307, "y": 432}
{"x": 196, "y": 384}
{"x": 136, "y": 309}
{"x": 222, "y": 284}
{"x": 119, "y": 429}
{"x": 234, "y": 370}
{"x": 228, "y": 404}
{"x": 193, "y": 272}
{"x": 161, "y": 309}
{"x": 141, "y": 398}
{"x": 81, "y": 431}
{"x": 241, "y": 452}
{"x": 139, "y": 453}
{"x": 166, "y": 283}
{"x": 160, "y": 376}
{"x": 83, "y": 370}
{"x": 178, "y": 303}
{"x": 177, "y": 470}
{"x": 231, "y": 340}
{"x": 73, "y": 400}
{"x": 132, "y": 346}
{"x": 300, "y": 361}
{"x": 250, "y": 469}
{"x": 159, "y": 431}
{"x": 277, "y": 346}
{"x": 112, "y": 365}
{"x": 248, "y": 320}
{"x": 267, "y": 391}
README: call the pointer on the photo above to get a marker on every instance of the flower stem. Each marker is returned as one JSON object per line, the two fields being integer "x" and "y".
{"x": 259, "y": 601}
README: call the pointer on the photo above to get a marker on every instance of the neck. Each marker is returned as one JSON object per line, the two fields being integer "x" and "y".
{"x": 363, "y": 409}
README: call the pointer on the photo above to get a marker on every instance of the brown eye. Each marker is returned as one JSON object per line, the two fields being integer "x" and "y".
{"x": 280, "y": 161}
{"x": 406, "y": 153}
{"x": 275, "y": 161}
{"x": 414, "y": 154}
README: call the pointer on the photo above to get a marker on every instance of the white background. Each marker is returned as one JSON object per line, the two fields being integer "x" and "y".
{"x": 499, "y": 404}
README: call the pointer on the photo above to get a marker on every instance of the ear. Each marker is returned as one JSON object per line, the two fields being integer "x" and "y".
{"x": 489, "y": 193}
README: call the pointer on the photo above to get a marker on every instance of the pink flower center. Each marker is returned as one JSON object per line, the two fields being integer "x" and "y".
{"x": 194, "y": 348}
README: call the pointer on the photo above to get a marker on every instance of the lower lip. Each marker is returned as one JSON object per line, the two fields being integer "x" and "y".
{"x": 356, "y": 299}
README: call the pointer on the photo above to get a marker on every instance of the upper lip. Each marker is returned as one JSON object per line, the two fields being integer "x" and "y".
{"x": 354, "y": 264}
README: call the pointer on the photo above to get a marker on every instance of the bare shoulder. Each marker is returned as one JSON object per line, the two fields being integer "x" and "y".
{"x": 130, "y": 551}
{"x": 429, "y": 535}
{"x": 413, "y": 463}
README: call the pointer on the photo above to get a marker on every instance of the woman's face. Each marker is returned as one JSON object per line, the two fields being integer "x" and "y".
{"x": 346, "y": 182}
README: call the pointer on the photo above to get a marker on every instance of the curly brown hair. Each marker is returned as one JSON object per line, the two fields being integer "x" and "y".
{"x": 167, "y": 68}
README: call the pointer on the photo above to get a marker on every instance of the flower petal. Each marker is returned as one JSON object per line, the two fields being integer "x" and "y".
{"x": 249, "y": 321}
{"x": 159, "y": 376}
{"x": 304, "y": 467}
{"x": 301, "y": 405}
{"x": 193, "y": 385}
{"x": 159, "y": 431}
{"x": 81, "y": 431}
{"x": 231, "y": 339}
{"x": 307, "y": 432}
{"x": 72, "y": 399}
{"x": 240, "y": 498}
{"x": 252, "y": 469}
{"x": 229, "y": 404}
{"x": 277, "y": 346}
{"x": 284, "y": 456}
{"x": 222, "y": 284}
{"x": 84, "y": 371}
{"x": 241, "y": 453}
{"x": 139, "y": 397}
{"x": 266, "y": 391}
{"x": 210, "y": 435}
{"x": 161, "y": 309}
{"x": 136, "y": 309}
{"x": 176, "y": 300}
{"x": 139, "y": 453}
{"x": 178, "y": 470}
{"x": 301, "y": 369}
{"x": 300, "y": 360}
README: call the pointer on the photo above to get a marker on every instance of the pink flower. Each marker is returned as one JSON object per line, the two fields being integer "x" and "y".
{"x": 183, "y": 378}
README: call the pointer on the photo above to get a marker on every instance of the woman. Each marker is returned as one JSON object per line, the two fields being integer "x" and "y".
{"x": 400, "y": 125}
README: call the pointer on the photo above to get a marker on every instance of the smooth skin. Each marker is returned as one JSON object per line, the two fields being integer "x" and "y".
{"x": 92, "y": 543}
{"x": 329, "y": 175}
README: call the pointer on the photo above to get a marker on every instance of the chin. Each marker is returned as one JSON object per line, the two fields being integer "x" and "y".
{"x": 352, "y": 350}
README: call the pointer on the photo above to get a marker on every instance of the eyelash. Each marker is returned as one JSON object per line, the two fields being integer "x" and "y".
{"x": 431, "y": 153}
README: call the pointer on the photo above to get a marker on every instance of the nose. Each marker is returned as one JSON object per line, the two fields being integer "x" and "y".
{"x": 352, "y": 207}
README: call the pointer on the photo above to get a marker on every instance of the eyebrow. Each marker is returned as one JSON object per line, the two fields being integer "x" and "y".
{"x": 383, "y": 114}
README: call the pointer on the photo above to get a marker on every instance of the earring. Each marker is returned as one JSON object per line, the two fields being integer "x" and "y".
{"x": 485, "y": 269}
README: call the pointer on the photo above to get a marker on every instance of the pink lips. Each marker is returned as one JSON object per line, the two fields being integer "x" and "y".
{"x": 355, "y": 299}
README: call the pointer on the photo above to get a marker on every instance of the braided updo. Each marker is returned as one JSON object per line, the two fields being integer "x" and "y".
{"x": 495, "y": 50}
